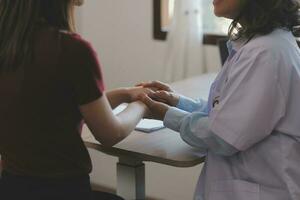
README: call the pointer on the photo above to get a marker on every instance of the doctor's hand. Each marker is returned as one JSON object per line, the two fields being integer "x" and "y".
{"x": 157, "y": 109}
{"x": 164, "y": 92}
{"x": 157, "y": 85}
{"x": 134, "y": 92}
{"x": 169, "y": 98}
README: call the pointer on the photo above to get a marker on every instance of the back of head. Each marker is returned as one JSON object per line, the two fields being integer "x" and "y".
{"x": 19, "y": 19}
{"x": 264, "y": 16}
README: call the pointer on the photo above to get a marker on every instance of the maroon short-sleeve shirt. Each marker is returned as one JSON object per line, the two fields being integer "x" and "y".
{"x": 40, "y": 122}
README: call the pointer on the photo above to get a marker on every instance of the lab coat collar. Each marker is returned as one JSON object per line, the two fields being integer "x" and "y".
{"x": 234, "y": 46}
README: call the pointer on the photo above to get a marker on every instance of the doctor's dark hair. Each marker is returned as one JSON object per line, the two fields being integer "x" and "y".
{"x": 263, "y": 16}
{"x": 19, "y": 19}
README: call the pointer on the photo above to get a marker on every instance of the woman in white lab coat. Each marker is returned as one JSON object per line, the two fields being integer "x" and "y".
{"x": 249, "y": 129}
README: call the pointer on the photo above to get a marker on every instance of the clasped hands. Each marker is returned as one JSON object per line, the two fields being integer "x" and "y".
{"x": 157, "y": 96}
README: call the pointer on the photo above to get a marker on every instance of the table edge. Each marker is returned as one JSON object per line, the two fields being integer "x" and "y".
{"x": 143, "y": 157}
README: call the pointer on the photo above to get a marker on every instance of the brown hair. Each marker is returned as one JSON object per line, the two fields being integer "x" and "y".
{"x": 19, "y": 19}
{"x": 264, "y": 16}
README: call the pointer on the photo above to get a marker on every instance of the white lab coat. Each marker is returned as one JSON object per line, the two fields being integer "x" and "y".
{"x": 258, "y": 113}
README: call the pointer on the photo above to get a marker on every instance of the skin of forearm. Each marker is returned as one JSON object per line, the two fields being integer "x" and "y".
{"x": 130, "y": 117}
{"x": 126, "y": 121}
{"x": 117, "y": 96}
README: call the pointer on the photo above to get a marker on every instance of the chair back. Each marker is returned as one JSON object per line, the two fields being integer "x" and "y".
{"x": 222, "y": 44}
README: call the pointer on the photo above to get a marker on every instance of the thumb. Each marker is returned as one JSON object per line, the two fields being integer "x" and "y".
{"x": 146, "y": 100}
{"x": 163, "y": 95}
{"x": 139, "y": 84}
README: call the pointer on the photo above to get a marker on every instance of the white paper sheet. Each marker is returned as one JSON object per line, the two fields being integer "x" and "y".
{"x": 145, "y": 125}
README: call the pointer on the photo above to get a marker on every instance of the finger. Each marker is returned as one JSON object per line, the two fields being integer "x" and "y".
{"x": 161, "y": 85}
{"x": 150, "y": 93}
{"x": 157, "y": 99}
{"x": 153, "y": 89}
{"x": 146, "y": 100}
{"x": 155, "y": 84}
{"x": 149, "y": 90}
{"x": 140, "y": 84}
{"x": 163, "y": 95}
{"x": 145, "y": 84}
{"x": 161, "y": 100}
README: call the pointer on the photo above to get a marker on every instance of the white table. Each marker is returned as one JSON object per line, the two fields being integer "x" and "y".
{"x": 164, "y": 146}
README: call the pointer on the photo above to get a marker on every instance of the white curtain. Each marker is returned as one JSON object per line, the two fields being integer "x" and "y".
{"x": 184, "y": 56}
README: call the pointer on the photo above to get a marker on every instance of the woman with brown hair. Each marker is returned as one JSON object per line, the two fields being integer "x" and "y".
{"x": 50, "y": 81}
{"x": 249, "y": 128}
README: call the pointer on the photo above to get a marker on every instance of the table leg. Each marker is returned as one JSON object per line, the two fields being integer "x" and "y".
{"x": 131, "y": 179}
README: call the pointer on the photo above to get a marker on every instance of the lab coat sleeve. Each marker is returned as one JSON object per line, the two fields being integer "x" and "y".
{"x": 252, "y": 101}
{"x": 191, "y": 105}
{"x": 194, "y": 130}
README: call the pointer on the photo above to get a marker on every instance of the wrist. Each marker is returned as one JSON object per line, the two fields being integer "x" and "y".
{"x": 164, "y": 112}
{"x": 142, "y": 106}
{"x": 175, "y": 100}
{"x": 125, "y": 95}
